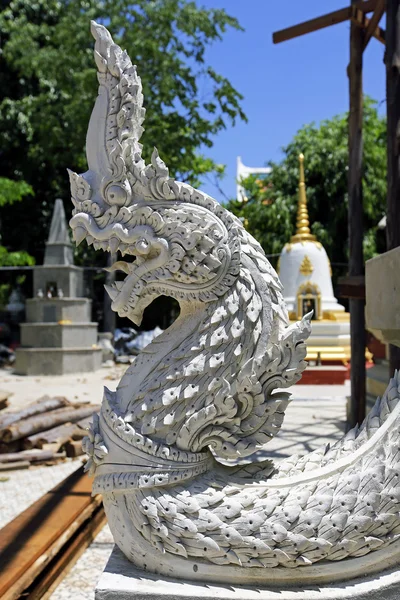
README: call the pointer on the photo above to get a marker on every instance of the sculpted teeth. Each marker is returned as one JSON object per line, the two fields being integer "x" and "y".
{"x": 111, "y": 291}
{"x": 114, "y": 245}
{"x": 79, "y": 234}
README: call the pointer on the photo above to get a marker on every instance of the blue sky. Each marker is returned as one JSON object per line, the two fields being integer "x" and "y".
{"x": 284, "y": 85}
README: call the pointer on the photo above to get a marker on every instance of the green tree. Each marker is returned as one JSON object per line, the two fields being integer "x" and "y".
{"x": 10, "y": 193}
{"x": 270, "y": 212}
{"x": 48, "y": 82}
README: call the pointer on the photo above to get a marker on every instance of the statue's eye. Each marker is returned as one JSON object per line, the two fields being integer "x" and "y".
{"x": 116, "y": 194}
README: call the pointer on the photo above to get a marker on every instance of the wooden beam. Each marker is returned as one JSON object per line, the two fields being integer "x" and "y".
{"x": 62, "y": 563}
{"x": 374, "y": 22}
{"x": 355, "y": 224}
{"x": 359, "y": 19}
{"x": 351, "y": 287}
{"x": 333, "y": 18}
{"x": 393, "y": 141}
{"x": 34, "y": 537}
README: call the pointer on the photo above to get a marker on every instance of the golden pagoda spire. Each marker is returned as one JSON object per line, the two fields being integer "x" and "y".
{"x": 303, "y": 233}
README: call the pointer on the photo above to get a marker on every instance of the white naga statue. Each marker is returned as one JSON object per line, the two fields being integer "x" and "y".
{"x": 209, "y": 389}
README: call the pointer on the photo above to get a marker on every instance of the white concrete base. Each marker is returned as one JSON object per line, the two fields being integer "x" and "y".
{"x": 121, "y": 580}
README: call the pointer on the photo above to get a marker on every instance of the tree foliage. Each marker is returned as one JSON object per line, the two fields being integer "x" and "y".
{"x": 15, "y": 259}
{"x": 11, "y": 192}
{"x": 48, "y": 82}
{"x": 270, "y": 212}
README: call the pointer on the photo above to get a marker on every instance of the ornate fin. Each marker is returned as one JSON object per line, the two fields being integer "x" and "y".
{"x": 114, "y": 153}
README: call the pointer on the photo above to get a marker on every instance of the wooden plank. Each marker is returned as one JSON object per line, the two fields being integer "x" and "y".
{"x": 41, "y": 406}
{"x": 355, "y": 224}
{"x": 333, "y": 18}
{"x": 73, "y": 448}
{"x": 359, "y": 19}
{"x": 31, "y": 456}
{"x": 25, "y": 541}
{"x": 57, "y": 435}
{"x": 374, "y": 22}
{"x": 58, "y": 568}
{"x": 45, "y": 421}
{"x": 351, "y": 287}
{"x": 13, "y": 447}
{"x": 393, "y": 141}
{"x": 12, "y": 466}
{"x": 39, "y": 567}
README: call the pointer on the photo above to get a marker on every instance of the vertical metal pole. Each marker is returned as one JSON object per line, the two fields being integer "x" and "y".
{"x": 392, "y": 61}
{"x": 356, "y": 259}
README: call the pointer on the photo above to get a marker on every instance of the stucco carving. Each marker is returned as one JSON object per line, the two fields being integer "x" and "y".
{"x": 209, "y": 389}
{"x": 306, "y": 267}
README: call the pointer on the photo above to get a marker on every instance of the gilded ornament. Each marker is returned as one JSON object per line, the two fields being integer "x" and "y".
{"x": 303, "y": 233}
{"x": 306, "y": 267}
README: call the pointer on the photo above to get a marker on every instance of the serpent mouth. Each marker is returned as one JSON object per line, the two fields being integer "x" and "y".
{"x": 149, "y": 253}
{"x": 131, "y": 295}
{"x": 134, "y": 293}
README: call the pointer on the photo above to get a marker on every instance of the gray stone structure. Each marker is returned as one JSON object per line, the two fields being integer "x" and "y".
{"x": 58, "y": 336}
{"x": 382, "y": 290}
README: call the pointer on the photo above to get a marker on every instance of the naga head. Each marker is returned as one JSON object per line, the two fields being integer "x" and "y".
{"x": 173, "y": 239}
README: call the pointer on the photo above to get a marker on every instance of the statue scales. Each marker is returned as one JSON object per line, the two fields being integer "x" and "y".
{"x": 211, "y": 387}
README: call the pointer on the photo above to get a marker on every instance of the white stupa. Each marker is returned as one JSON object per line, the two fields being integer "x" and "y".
{"x": 306, "y": 275}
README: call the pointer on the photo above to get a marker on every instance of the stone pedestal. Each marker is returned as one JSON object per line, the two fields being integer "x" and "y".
{"x": 121, "y": 580}
{"x": 58, "y": 336}
{"x": 57, "y": 361}
{"x": 382, "y": 288}
{"x": 68, "y": 278}
{"x": 50, "y": 310}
